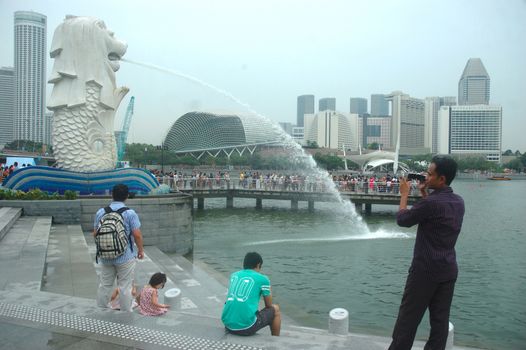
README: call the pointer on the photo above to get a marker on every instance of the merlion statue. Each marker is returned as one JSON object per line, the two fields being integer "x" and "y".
{"x": 85, "y": 96}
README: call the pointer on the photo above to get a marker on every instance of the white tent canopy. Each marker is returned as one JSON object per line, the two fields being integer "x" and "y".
{"x": 375, "y": 159}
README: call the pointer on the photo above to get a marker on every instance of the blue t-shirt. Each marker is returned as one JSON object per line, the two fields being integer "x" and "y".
{"x": 131, "y": 222}
{"x": 245, "y": 290}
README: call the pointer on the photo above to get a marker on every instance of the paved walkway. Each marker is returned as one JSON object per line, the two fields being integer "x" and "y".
{"x": 8, "y": 217}
{"x": 23, "y": 253}
{"x": 70, "y": 269}
{"x": 61, "y": 313}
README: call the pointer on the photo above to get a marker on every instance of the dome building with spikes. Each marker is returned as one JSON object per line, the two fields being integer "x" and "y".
{"x": 197, "y": 133}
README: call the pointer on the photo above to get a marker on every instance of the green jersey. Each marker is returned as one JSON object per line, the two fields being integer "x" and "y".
{"x": 246, "y": 288}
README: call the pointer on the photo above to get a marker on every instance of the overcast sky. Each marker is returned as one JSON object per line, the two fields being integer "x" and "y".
{"x": 267, "y": 52}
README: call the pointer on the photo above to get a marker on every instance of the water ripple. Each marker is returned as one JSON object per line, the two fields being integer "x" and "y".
{"x": 367, "y": 236}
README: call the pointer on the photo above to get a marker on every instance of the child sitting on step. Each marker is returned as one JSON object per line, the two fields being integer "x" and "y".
{"x": 149, "y": 300}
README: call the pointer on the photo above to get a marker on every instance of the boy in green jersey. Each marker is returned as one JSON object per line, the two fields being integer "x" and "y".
{"x": 240, "y": 314}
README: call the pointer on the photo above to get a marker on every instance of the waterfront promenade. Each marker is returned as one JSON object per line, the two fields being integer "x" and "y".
{"x": 359, "y": 199}
{"x": 48, "y": 282}
{"x": 362, "y": 194}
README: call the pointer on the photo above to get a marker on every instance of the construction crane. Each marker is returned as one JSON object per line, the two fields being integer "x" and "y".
{"x": 122, "y": 135}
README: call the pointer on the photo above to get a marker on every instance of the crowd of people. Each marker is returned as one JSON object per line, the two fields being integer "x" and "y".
{"x": 274, "y": 181}
{"x": 267, "y": 181}
{"x": 6, "y": 170}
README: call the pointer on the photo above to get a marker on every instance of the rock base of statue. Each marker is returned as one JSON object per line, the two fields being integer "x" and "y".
{"x": 52, "y": 180}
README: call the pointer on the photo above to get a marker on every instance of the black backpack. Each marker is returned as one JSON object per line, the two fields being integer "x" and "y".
{"x": 111, "y": 238}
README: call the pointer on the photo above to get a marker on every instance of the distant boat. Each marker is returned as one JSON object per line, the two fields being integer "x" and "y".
{"x": 499, "y": 178}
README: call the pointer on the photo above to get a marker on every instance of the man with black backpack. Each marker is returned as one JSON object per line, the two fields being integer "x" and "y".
{"x": 116, "y": 230}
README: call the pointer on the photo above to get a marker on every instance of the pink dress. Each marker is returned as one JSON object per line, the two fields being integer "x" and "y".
{"x": 146, "y": 306}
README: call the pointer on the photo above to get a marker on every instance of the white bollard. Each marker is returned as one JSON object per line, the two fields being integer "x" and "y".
{"x": 339, "y": 321}
{"x": 172, "y": 297}
{"x": 450, "y": 336}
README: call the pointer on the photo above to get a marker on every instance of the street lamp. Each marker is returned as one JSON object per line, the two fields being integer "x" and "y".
{"x": 162, "y": 147}
{"x": 162, "y": 158}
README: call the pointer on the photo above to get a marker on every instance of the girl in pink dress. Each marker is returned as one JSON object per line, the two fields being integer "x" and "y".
{"x": 148, "y": 302}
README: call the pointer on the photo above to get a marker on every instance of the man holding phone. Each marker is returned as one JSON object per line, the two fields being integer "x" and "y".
{"x": 431, "y": 280}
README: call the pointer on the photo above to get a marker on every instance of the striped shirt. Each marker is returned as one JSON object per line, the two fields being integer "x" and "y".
{"x": 439, "y": 217}
{"x": 131, "y": 222}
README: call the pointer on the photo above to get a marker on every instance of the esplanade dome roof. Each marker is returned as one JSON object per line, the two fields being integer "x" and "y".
{"x": 201, "y": 131}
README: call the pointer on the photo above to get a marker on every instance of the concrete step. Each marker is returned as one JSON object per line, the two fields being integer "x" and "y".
{"x": 200, "y": 294}
{"x": 69, "y": 266}
{"x": 144, "y": 269}
{"x": 8, "y": 217}
{"x": 23, "y": 253}
{"x": 199, "y": 286}
{"x": 80, "y": 317}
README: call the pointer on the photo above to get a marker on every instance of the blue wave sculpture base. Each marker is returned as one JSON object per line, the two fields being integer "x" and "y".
{"x": 52, "y": 180}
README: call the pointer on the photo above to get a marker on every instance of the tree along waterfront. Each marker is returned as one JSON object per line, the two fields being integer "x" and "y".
{"x": 142, "y": 155}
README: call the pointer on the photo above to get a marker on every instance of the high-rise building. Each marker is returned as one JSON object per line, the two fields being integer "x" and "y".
{"x": 287, "y": 127}
{"x": 298, "y": 134}
{"x": 330, "y": 129}
{"x": 305, "y": 106}
{"x": 30, "y": 75}
{"x": 374, "y": 130}
{"x": 48, "y": 125}
{"x": 408, "y": 123}
{"x": 474, "y": 84}
{"x": 471, "y": 130}
{"x": 379, "y": 105}
{"x": 7, "y": 105}
{"x": 448, "y": 101}
{"x": 432, "y": 106}
{"x": 327, "y": 104}
{"x": 358, "y": 105}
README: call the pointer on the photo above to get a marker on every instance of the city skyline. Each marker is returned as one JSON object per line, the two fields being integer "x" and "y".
{"x": 252, "y": 51}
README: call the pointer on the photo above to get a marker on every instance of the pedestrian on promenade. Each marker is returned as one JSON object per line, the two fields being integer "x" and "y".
{"x": 121, "y": 267}
{"x": 433, "y": 272}
{"x": 240, "y": 313}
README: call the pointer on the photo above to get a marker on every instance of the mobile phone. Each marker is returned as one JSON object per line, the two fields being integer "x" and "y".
{"x": 418, "y": 177}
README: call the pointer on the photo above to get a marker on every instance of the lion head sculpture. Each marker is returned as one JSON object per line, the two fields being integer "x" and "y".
{"x": 85, "y": 96}
{"x": 84, "y": 50}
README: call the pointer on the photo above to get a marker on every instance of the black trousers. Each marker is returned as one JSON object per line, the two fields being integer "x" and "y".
{"x": 421, "y": 293}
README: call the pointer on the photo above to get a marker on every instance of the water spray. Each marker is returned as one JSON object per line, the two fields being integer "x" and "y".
{"x": 286, "y": 139}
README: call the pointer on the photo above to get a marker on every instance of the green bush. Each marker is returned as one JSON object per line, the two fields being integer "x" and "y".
{"x": 70, "y": 194}
{"x": 54, "y": 196}
{"x": 7, "y": 194}
{"x": 34, "y": 194}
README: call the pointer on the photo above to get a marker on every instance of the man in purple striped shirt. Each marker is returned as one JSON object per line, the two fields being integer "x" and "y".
{"x": 433, "y": 272}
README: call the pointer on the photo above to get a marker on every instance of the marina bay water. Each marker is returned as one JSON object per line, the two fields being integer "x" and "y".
{"x": 321, "y": 260}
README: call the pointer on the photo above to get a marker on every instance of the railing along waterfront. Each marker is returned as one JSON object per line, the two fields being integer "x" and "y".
{"x": 283, "y": 185}
{"x": 360, "y": 193}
